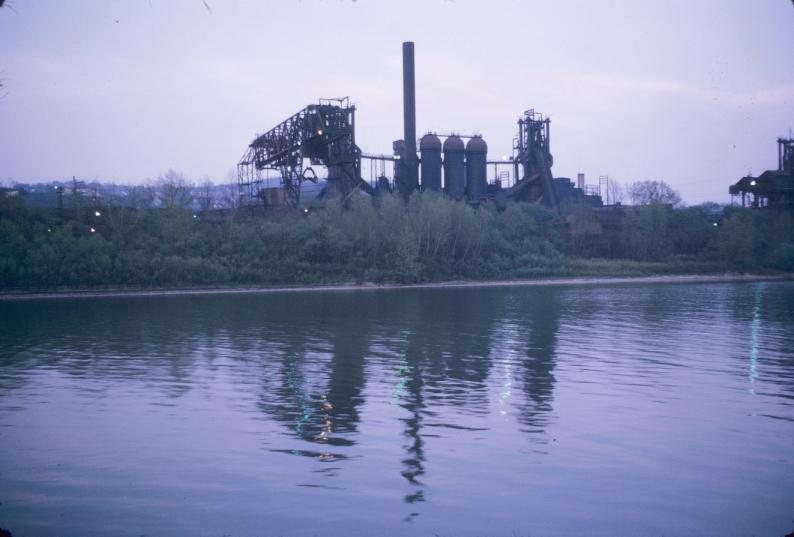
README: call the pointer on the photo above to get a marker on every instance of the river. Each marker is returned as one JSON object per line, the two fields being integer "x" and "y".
{"x": 612, "y": 410}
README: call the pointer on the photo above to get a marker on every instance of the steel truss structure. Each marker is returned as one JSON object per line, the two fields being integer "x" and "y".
{"x": 531, "y": 149}
{"x": 324, "y": 134}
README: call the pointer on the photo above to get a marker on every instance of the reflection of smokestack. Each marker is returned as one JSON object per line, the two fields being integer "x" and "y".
{"x": 409, "y": 111}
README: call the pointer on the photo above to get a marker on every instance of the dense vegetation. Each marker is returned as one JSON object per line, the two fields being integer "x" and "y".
{"x": 429, "y": 239}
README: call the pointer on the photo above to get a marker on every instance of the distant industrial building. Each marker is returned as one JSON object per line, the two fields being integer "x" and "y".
{"x": 773, "y": 188}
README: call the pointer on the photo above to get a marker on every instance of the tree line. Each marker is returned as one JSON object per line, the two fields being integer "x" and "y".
{"x": 170, "y": 190}
{"x": 429, "y": 238}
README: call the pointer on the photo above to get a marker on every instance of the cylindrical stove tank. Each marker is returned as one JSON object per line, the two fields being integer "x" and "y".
{"x": 476, "y": 169}
{"x": 454, "y": 167}
{"x": 430, "y": 150}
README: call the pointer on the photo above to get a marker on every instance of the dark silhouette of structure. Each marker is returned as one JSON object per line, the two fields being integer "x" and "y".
{"x": 773, "y": 188}
{"x": 533, "y": 154}
{"x": 406, "y": 172}
{"x": 324, "y": 134}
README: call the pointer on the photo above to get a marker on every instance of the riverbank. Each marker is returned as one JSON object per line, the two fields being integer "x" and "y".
{"x": 141, "y": 292}
{"x": 429, "y": 240}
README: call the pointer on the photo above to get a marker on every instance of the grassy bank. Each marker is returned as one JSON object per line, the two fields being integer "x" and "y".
{"x": 431, "y": 239}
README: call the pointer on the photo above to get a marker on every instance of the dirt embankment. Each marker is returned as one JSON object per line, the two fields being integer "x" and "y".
{"x": 662, "y": 279}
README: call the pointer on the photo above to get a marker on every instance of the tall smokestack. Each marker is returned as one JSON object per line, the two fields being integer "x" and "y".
{"x": 409, "y": 112}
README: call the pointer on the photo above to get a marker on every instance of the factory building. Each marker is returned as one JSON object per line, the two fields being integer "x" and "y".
{"x": 773, "y": 188}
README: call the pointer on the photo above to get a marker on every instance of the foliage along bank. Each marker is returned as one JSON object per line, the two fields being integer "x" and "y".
{"x": 429, "y": 239}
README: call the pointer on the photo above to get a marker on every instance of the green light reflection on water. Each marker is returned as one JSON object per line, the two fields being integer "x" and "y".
{"x": 755, "y": 328}
{"x": 401, "y": 371}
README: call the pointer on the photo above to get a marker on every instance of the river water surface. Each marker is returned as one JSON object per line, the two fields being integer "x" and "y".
{"x": 625, "y": 410}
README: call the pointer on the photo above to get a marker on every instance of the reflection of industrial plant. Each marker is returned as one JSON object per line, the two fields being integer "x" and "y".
{"x": 540, "y": 327}
{"x": 445, "y": 363}
{"x": 324, "y": 134}
{"x": 437, "y": 363}
{"x": 318, "y": 403}
{"x": 310, "y": 357}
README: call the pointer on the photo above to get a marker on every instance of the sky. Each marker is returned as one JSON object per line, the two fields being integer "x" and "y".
{"x": 694, "y": 93}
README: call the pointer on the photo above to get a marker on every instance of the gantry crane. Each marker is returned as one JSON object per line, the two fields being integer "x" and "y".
{"x": 324, "y": 134}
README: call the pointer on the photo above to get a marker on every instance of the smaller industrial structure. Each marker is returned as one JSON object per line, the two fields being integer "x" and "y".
{"x": 773, "y": 188}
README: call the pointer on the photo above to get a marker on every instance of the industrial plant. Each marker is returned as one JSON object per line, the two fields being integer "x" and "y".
{"x": 324, "y": 134}
{"x": 773, "y": 188}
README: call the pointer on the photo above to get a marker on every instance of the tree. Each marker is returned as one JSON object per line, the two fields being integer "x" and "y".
{"x": 739, "y": 241}
{"x": 142, "y": 196}
{"x": 174, "y": 191}
{"x": 228, "y": 194}
{"x": 648, "y": 192}
{"x": 647, "y": 232}
{"x": 206, "y": 194}
{"x": 615, "y": 192}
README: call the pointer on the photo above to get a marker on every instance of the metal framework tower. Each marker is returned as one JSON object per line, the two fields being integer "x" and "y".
{"x": 323, "y": 133}
{"x": 532, "y": 151}
{"x": 603, "y": 187}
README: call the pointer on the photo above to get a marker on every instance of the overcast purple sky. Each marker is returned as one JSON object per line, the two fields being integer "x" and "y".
{"x": 691, "y": 92}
